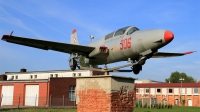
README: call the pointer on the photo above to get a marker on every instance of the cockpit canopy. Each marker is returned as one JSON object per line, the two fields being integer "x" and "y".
{"x": 129, "y": 30}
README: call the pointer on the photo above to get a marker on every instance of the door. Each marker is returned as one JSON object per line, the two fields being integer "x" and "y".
{"x": 189, "y": 102}
{"x": 7, "y": 95}
{"x": 176, "y": 102}
{"x": 31, "y": 95}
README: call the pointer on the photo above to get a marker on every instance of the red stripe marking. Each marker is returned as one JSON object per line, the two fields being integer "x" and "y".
{"x": 188, "y": 52}
{"x": 74, "y": 31}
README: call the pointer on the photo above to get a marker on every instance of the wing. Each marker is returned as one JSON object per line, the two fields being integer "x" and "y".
{"x": 164, "y": 54}
{"x": 48, "y": 45}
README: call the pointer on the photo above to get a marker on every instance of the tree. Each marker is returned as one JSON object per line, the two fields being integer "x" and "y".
{"x": 175, "y": 76}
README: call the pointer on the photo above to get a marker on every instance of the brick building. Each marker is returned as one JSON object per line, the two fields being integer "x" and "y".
{"x": 169, "y": 93}
{"x": 40, "y": 88}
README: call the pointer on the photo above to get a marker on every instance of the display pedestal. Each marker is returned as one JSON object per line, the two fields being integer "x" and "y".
{"x": 105, "y": 94}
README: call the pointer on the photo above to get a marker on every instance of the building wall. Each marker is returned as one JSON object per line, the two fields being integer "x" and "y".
{"x": 19, "y": 92}
{"x": 186, "y": 94}
{"x": 46, "y": 74}
{"x": 59, "y": 91}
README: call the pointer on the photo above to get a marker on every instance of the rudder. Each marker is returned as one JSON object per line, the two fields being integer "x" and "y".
{"x": 74, "y": 38}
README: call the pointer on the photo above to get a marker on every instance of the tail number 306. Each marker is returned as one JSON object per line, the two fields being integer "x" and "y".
{"x": 125, "y": 43}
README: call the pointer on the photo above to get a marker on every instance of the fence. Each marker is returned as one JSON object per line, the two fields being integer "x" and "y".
{"x": 50, "y": 101}
{"x": 150, "y": 102}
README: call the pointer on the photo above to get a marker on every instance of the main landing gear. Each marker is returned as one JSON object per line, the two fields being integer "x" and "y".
{"x": 138, "y": 67}
{"x": 74, "y": 62}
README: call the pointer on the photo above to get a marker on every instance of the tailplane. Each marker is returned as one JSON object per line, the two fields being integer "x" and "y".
{"x": 74, "y": 38}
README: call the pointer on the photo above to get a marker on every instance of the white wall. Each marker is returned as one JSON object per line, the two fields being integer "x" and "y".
{"x": 46, "y": 74}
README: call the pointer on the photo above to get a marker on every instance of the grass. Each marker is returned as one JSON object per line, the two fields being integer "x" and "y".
{"x": 174, "y": 109}
{"x": 39, "y": 110}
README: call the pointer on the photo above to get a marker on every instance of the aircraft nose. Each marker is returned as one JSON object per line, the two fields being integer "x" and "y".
{"x": 168, "y": 36}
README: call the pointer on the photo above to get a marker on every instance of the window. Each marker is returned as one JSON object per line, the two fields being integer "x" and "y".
{"x": 121, "y": 31}
{"x": 31, "y": 76}
{"x": 137, "y": 90}
{"x": 56, "y": 75}
{"x": 159, "y": 90}
{"x": 132, "y": 30}
{"x": 79, "y": 74}
{"x": 16, "y": 77}
{"x": 170, "y": 90}
{"x": 147, "y": 90}
{"x": 182, "y": 90}
{"x": 51, "y": 75}
{"x": 74, "y": 74}
{"x": 196, "y": 91}
{"x": 110, "y": 35}
{"x": 71, "y": 93}
{"x": 35, "y": 76}
{"x": 12, "y": 77}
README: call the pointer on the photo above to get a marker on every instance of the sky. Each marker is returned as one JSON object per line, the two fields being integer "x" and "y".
{"x": 54, "y": 20}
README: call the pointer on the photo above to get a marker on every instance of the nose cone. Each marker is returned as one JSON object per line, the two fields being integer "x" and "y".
{"x": 168, "y": 36}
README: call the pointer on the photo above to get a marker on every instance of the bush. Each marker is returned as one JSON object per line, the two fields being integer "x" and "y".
{"x": 145, "y": 105}
{"x": 162, "y": 106}
{"x": 136, "y": 105}
{"x": 140, "y": 104}
{"x": 159, "y": 106}
{"x": 166, "y": 106}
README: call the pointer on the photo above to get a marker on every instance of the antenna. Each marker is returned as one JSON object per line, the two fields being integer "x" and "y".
{"x": 91, "y": 37}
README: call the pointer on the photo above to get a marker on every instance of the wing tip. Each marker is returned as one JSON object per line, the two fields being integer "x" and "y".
{"x": 189, "y": 52}
{"x": 5, "y": 37}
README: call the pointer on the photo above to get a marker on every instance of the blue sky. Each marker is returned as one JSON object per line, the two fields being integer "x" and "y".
{"x": 54, "y": 20}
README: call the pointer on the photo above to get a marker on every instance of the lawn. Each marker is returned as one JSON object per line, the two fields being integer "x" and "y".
{"x": 174, "y": 109}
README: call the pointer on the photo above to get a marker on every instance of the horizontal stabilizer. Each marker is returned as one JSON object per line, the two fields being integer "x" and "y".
{"x": 165, "y": 54}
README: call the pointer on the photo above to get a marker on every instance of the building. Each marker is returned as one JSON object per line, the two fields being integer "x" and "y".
{"x": 57, "y": 88}
{"x": 40, "y": 88}
{"x": 168, "y": 93}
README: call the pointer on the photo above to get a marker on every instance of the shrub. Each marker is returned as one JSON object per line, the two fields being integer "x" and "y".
{"x": 145, "y": 105}
{"x": 162, "y": 106}
{"x": 136, "y": 105}
{"x": 157, "y": 106}
{"x": 166, "y": 106}
{"x": 140, "y": 104}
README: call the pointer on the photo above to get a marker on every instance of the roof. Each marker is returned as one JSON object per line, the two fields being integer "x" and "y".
{"x": 50, "y": 71}
{"x": 100, "y": 76}
{"x": 153, "y": 85}
{"x": 18, "y": 81}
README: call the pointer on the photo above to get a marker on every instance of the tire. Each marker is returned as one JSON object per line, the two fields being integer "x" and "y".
{"x": 136, "y": 69}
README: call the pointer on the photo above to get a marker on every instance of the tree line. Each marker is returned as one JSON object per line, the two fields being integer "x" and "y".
{"x": 176, "y": 76}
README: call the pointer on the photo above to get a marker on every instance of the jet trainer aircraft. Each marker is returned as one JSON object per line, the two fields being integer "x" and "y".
{"x": 125, "y": 44}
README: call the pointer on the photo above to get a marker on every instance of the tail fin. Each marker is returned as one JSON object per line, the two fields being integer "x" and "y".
{"x": 74, "y": 38}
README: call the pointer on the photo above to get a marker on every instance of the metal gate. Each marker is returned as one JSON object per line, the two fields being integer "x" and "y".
{"x": 32, "y": 95}
{"x": 7, "y": 95}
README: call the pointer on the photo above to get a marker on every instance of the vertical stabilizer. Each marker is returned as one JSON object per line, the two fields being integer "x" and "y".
{"x": 74, "y": 38}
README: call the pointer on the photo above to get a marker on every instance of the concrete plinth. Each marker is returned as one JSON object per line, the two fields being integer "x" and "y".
{"x": 105, "y": 94}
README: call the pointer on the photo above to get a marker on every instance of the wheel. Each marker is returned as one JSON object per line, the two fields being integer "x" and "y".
{"x": 72, "y": 64}
{"x": 136, "y": 68}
